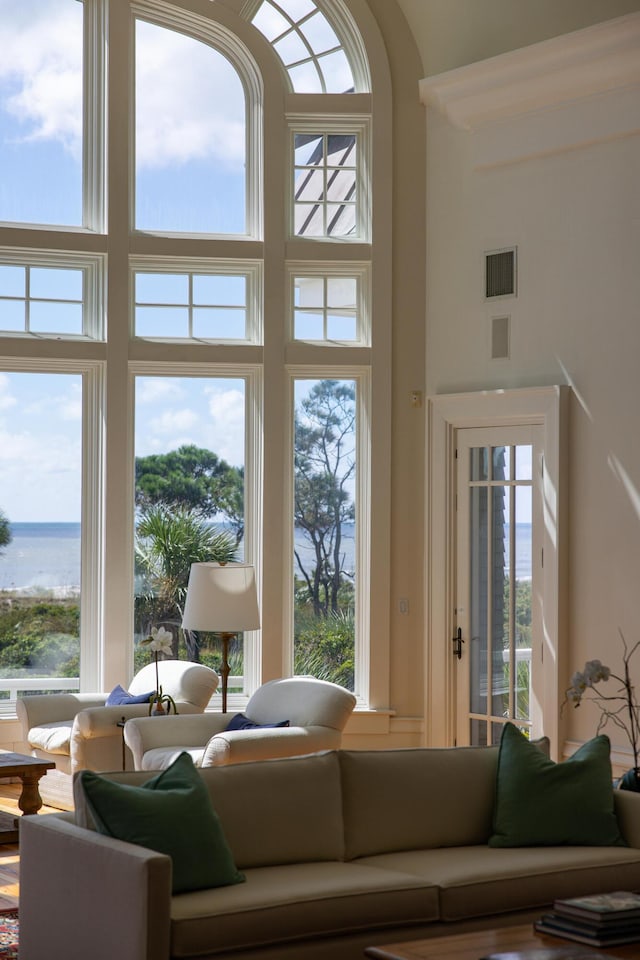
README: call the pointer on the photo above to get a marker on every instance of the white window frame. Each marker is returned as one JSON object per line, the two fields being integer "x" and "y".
{"x": 362, "y": 378}
{"x": 91, "y": 510}
{"x": 253, "y": 472}
{"x": 330, "y": 270}
{"x": 327, "y": 125}
{"x": 93, "y": 287}
{"x": 447, "y": 413}
{"x": 204, "y": 266}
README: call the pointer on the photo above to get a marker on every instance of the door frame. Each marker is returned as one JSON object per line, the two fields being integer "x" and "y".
{"x": 446, "y": 413}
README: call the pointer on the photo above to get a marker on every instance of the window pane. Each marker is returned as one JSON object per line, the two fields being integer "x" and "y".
{"x": 214, "y": 306}
{"x": 12, "y": 281}
{"x": 56, "y": 318}
{"x": 189, "y": 496}
{"x": 162, "y": 288}
{"x": 299, "y": 31}
{"x": 41, "y": 111}
{"x": 170, "y": 322}
{"x": 190, "y": 136}
{"x": 324, "y": 521}
{"x": 54, "y": 284}
{"x": 219, "y": 324}
{"x": 40, "y": 497}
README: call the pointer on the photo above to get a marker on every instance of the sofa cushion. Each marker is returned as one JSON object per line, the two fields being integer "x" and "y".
{"x": 413, "y": 798}
{"x": 52, "y": 737}
{"x": 279, "y": 904}
{"x": 539, "y": 802}
{"x": 481, "y": 881}
{"x": 171, "y": 813}
{"x": 280, "y": 811}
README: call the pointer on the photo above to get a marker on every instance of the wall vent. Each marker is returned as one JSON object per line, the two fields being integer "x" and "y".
{"x": 500, "y": 273}
{"x": 500, "y": 338}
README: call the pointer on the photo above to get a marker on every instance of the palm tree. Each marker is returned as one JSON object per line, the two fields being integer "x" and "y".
{"x": 168, "y": 541}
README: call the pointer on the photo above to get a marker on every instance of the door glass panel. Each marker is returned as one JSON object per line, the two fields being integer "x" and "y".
{"x": 41, "y": 123}
{"x": 478, "y": 601}
{"x": 40, "y": 515}
{"x": 500, "y": 594}
{"x": 190, "y": 136}
{"x": 324, "y": 522}
{"x": 189, "y": 500}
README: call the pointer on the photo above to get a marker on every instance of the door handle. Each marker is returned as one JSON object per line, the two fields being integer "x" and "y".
{"x": 457, "y": 644}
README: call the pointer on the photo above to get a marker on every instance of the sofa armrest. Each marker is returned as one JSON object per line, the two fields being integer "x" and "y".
{"x": 242, "y": 746}
{"x": 626, "y": 805}
{"x": 147, "y": 733}
{"x": 78, "y": 884}
{"x": 40, "y": 708}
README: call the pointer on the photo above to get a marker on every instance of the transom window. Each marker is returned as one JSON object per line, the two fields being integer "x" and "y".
{"x": 308, "y": 46}
{"x": 325, "y": 184}
{"x": 44, "y": 298}
{"x": 212, "y": 304}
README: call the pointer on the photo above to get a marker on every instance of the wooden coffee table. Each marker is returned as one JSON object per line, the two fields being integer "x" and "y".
{"x": 29, "y": 770}
{"x": 482, "y": 943}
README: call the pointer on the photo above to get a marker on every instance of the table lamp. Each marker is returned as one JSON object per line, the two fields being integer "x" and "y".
{"x": 221, "y": 598}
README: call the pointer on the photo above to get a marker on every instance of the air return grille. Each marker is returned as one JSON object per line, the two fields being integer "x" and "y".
{"x": 500, "y": 273}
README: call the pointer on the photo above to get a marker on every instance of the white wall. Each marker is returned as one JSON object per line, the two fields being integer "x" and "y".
{"x": 560, "y": 181}
{"x": 450, "y": 33}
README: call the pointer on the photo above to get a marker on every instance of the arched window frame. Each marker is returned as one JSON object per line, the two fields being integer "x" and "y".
{"x": 108, "y": 232}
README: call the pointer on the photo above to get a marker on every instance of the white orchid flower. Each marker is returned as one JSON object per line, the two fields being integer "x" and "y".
{"x": 594, "y": 671}
{"x": 160, "y": 641}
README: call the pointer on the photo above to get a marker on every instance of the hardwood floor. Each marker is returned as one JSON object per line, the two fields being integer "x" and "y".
{"x": 10, "y": 852}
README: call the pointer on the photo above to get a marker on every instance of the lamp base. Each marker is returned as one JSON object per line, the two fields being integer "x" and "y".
{"x": 225, "y": 669}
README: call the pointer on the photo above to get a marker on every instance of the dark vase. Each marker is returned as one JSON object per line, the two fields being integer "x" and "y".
{"x": 630, "y": 780}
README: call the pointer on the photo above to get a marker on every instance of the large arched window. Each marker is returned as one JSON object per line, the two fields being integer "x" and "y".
{"x": 189, "y": 281}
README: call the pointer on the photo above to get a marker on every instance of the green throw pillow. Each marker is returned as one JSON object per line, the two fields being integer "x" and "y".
{"x": 173, "y": 814}
{"x": 542, "y": 803}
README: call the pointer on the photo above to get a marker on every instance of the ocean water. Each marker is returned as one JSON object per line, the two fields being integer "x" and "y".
{"x": 47, "y": 555}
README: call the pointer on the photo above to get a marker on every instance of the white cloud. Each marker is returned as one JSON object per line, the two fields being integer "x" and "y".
{"x": 41, "y": 64}
{"x": 173, "y": 421}
{"x": 7, "y": 399}
{"x": 227, "y": 429}
{"x": 190, "y": 101}
{"x": 156, "y": 389}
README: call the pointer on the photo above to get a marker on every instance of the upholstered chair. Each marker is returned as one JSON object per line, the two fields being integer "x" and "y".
{"x": 79, "y": 731}
{"x": 315, "y": 713}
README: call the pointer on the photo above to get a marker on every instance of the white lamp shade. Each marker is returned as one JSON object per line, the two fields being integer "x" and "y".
{"x": 221, "y": 598}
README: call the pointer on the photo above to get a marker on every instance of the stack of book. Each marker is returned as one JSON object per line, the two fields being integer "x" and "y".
{"x": 601, "y": 920}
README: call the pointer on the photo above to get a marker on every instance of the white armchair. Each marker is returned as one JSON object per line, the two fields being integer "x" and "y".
{"x": 79, "y": 732}
{"x": 317, "y": 712}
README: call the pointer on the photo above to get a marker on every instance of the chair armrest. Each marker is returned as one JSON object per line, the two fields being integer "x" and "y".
{"x": 41, "y": 708}
{"x": 135, "y": 883}
{"x": 242, "y": 746}
{"x": 626, "y": 805}
{"x": 185, "y": 730}
{"x": 103, "y": 721}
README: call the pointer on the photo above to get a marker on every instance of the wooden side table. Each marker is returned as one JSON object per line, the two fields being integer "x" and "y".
{"x": 29, "y": 770}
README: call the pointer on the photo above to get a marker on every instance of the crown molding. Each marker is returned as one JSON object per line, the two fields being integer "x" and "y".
{"x": 585, "y": 63}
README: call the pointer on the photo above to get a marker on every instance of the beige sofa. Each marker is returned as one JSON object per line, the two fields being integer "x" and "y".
{"x": 340, "y": 850}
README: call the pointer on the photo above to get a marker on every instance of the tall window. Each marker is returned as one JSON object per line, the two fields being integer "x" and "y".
{"x": 151, "y": 328}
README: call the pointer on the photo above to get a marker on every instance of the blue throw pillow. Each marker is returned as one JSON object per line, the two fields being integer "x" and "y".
{"x": 119, "y": 696}
{"x": 240, "y": 722}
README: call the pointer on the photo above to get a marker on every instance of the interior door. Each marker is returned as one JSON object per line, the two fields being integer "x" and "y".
{"x": 497, "y": 644}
